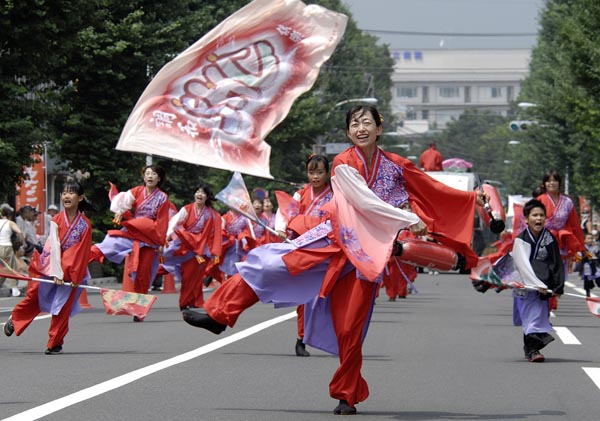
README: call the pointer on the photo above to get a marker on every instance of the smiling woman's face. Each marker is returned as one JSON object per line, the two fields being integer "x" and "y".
{"x": 362, "y": 130}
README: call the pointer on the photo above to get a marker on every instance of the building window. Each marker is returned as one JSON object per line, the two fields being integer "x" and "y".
{"x": 496, "y": 92}
{"x": 406, "y": 92}
{"x": 425, "y": 114}
{"x": 510, "y": 93}
{"x": 418, "y": 55}
{"x": 407, "y": 55}
{"x": 425, "y": 94}
{"x": 467, "y": 94}
{"x": 449, "y": 92}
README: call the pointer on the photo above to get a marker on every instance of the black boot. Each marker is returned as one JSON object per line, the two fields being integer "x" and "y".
{"x": 344, "y": 409}
{"x": 202, "y": 320}
{"x": 301, "y": 349}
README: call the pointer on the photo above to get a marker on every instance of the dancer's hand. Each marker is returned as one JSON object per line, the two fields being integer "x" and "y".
{"x": 117, "y": 218}
{"x": 419, "y": 228}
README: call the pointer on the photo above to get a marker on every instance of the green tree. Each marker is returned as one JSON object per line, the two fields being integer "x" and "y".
{"x": 564, "y": 83}
{"x": 98, "y": 57}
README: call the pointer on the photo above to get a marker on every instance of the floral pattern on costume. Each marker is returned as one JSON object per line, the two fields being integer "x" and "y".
{"x": 75, "y": 235}
{"x": 350, "y": 241}
{"x": 150, "y": 206}
{"x": 389, "y": 185}
{"x": 312, "y": 235}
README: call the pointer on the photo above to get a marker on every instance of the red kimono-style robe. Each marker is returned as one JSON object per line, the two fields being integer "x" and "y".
{"x": 61, "y": 301}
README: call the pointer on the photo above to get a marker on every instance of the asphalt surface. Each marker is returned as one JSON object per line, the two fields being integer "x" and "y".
{"x": 447, "y": 353}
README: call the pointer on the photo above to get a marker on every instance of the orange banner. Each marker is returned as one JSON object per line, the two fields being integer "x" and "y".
{"x": 32, "y": 191}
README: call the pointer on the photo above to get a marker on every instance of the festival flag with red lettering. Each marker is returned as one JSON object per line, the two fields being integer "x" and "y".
{"x": 126, "y": 303}
{"x": 216, "y": 102}
{"x": 32, "y": 190}
{"x": 115, "y": 301}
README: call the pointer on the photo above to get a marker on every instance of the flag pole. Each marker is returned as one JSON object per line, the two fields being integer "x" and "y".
{"x": 47, "y": 281}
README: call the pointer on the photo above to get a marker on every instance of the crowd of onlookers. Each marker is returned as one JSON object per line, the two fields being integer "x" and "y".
{"x": 19, "y": 238}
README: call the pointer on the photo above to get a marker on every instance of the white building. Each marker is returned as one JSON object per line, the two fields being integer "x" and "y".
{"x": 436, "y": 86}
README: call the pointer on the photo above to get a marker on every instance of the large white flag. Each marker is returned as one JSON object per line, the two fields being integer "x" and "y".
{"x": 215, "y": 103}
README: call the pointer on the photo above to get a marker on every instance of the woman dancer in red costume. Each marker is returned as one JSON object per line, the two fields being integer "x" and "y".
{"x": 370, "y": 184}
{"x": 194, "y": 245}
{"x": 63, "y": 259}
{"x": 311, "y": 198}
{"x": 144, "y": 231}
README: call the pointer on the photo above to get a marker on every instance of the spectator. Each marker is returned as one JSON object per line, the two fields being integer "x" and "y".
{"x": 7, "y": 253}
{"x": 25, "y": 222}
{"x": 50, "y": 213}
{"x": 431, "y": 159}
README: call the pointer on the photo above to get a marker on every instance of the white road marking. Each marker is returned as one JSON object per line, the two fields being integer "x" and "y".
{"x": 594, "y": 374}
{"x": 566, "y": 336}
{"x": 107, "y": 386}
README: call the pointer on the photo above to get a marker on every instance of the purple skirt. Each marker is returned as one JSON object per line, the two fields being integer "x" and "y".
{"x": 266, "y": 273}
{"x": 531, "y": 313}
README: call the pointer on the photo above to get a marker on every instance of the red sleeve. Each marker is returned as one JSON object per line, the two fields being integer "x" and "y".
{"x": 574, "y": 225}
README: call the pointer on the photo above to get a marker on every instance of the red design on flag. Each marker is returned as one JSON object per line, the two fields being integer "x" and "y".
{"x": 215, "y": 103}
{"x": 127, "y": 303}
{"x": 288, "y": 207}
{"x": 236, "y": 196}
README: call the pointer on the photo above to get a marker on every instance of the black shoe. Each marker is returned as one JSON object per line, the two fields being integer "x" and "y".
{"x": 202, "y": 320}
{"x": 136, "y": 319}
{"x": 301, "y": 349}
{"x": 206, "y": 282}
{"x": 54, "y": 351}
{"x": 344, "y": 409}
{"x": 9, "y": 328}
{"x": 536, "y": 357}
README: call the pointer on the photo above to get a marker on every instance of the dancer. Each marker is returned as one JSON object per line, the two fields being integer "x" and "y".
{"x": 63, "y": 259}
{"x": 143, "y": 233}
{"x": 329, "y": 264}
{"x": 311, "y": 198}
{"x": 531, "y": 308}
{"x": 235, "y": 230}
{"x": 194, "y": 245}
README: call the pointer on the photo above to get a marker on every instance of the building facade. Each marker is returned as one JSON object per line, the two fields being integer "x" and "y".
{"x": 433, "y": 87}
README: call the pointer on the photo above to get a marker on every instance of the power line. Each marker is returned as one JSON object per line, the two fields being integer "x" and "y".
{"x": 452, "y": 34}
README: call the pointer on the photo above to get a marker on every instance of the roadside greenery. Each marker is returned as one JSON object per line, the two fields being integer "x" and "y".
{"x": 73, "y": 70}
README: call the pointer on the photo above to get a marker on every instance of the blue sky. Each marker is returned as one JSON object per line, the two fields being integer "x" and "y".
{"x": 427, "y": 24}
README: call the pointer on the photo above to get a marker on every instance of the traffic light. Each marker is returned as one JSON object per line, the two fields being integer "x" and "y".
{"x": 518, "y": 125}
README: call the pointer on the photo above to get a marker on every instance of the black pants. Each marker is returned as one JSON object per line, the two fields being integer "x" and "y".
{"x": 536, "y": 341}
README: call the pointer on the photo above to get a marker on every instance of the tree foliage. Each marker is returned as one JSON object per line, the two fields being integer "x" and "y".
{"x": 565, "y": 84}
{"x": 93, "y": 60}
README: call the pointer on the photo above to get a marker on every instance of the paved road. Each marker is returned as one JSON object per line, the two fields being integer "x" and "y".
{"x": 447, "y": 353}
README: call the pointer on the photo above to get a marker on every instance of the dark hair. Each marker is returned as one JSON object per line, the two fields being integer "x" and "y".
{"x": 210, "y": 197}
{"x": 158, "y": 170}
{"x": 551, "y": 174}
{"x": 313, "y": 161}
{"x": 530, "y": 205}
{"x": 361, "y": 110}
{"x": 73, "y": 186}
{"x": 537, "y": 191}
{"x": 6, "y": 212}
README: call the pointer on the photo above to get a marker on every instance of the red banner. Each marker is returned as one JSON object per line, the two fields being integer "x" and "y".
{"x": 32, "y": 191}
